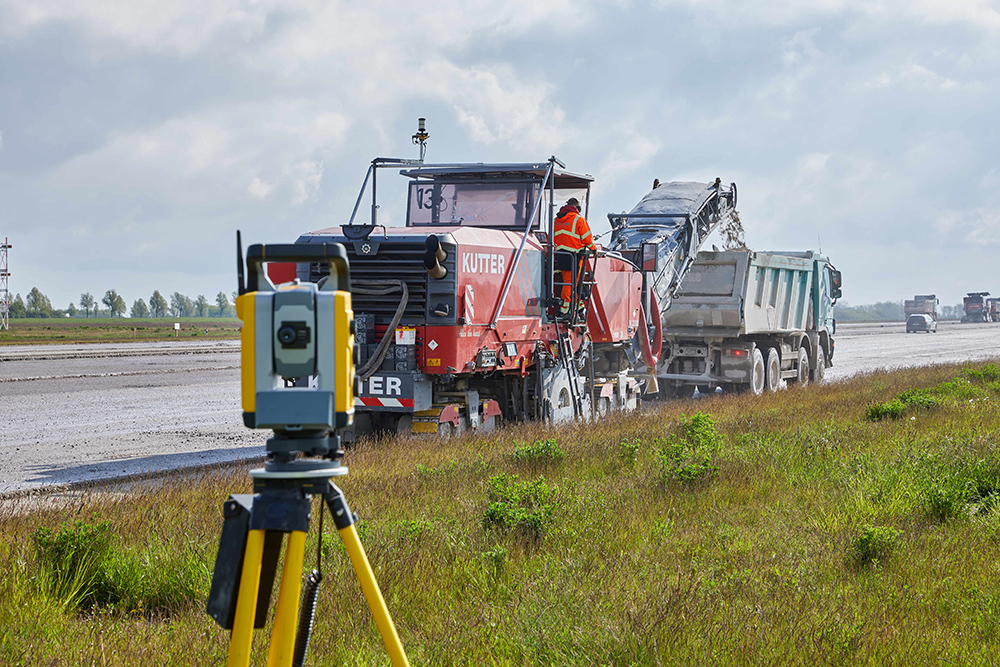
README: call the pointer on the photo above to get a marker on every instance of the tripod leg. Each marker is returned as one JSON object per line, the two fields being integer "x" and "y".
{"x": 344, "y": 520}
{"x": 246, "y": 602}
{"x": 373, "y": 595}
{"x": 282, "y": 648}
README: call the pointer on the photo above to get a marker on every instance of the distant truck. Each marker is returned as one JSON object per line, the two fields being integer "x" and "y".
{"x": 921, "y": 304}
{"x": 974, "y": 304}
{"x": 745, "y": 321}
{"x": 993, "y": 309}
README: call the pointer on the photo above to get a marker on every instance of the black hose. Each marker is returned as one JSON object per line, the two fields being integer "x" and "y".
{"x": 381, "y": 288}
{"x": 307, "y": 617}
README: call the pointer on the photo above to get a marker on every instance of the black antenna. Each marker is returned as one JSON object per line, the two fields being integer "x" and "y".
{"x": 239, "y": 265}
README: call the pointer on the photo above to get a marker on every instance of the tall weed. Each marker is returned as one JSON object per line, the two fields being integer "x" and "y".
{"x": 873, "y": 545}
{"x": 686, "y": 455}
{"x": 525, "y": 507}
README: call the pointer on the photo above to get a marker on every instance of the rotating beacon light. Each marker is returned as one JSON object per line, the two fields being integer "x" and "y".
{"x": 297, "y": 351}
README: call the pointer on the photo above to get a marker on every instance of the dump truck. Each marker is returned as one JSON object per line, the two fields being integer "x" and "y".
{"x": 921, "y": 304}
{"x": 974, "y": 304}
{"x": 993, "y": 309}
{"x": 746, "y": 321}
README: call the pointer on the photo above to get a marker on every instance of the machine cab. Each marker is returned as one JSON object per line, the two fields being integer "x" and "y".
{"x": 496, "y": 196}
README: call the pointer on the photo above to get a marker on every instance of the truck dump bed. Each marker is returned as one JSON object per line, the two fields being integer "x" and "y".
{"x": 728, "y": 294}
{"x": 921, "y": 304}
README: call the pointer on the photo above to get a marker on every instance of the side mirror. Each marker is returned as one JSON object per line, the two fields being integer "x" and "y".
{"x": 835, "y": 284}
{"x": 649, "y": 257}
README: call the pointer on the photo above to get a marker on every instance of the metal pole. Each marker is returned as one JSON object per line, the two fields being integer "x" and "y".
{"x": 374, "y": 198}
{"x": 361, "y": 194}
{"x": 4, "y": 291}
{"x": 552, "y": 229}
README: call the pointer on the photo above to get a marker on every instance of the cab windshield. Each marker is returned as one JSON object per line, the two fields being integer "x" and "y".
{"x": 497, "y": 204}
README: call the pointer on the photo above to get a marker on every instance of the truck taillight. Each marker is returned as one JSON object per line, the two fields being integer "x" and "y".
{"x": 735, "y": 353}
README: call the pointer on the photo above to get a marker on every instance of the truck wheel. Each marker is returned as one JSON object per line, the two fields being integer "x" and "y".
{"x": 757, "y": 373}
{"x": 802, "y": 369}
{"x": 819, "y": 372}
{"x": 773, "y": 373}
{"x": 686, "y": 390}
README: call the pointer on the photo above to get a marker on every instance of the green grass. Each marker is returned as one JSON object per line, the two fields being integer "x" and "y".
{"x": 32, "y": 331}
{"x": 782, "y": 529}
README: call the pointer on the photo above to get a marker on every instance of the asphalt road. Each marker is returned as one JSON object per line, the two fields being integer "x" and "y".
{"x": 81, "y": 413}
{"x": 89, "y": 412}
{"x": 862, "y": 348}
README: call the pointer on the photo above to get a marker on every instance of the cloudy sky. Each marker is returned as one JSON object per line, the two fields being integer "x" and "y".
{"x": 136, "y": 136}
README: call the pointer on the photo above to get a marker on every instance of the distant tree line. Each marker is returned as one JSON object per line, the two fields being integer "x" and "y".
{"x": 179, "y": 305}
{"x": 888, "y": 311}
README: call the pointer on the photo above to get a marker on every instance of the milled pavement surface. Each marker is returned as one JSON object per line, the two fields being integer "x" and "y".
{"x": 83, "y": 413}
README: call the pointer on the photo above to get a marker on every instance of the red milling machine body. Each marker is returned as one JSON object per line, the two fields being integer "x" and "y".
{"x": 456, "y": 320}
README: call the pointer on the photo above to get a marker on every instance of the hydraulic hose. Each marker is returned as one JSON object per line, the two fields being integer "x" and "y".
{"x": 381, "y": 288}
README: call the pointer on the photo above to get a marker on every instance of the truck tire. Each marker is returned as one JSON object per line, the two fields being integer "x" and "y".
{"x": 772, "y": 373}
{"x": 757, "y": 373}
{"x": 819, "y": 372}
{"x": 802, "y": 369}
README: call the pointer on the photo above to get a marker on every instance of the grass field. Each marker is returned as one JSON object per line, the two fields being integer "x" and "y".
{"x": 847, "y": 524}
{"x": 116, "y": 329}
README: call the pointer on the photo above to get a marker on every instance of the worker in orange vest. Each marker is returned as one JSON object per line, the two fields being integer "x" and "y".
{"x": 571, "y": 234}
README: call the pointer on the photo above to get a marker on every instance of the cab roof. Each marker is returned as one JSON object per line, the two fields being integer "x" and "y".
{"x": 510, "y": 171}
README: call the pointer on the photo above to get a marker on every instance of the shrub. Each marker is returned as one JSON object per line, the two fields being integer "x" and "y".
{"x": 687, "y": 454}
{"x": 873, "y": 545}
{"x": 987, "y": 374}
{"x": 960, "y": 389}
{"x": 911, "y": 399}
{"x": 877, "y": 412}
{"x": 918, "y": 399}
{"x": 628, "y": 451}
{"x": 413, "y": 528}
{"x": 514, "y": 504}
{"x": 540, "y": 452}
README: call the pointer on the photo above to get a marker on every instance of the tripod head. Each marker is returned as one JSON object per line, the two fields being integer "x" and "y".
{"x": 297, "y": 357}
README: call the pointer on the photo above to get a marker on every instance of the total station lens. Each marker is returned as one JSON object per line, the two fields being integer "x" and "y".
{"x": 287, "y": 334}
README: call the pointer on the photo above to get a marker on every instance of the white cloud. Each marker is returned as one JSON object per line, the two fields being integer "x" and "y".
{"x": 632, "y": 151}
{"x": 801, "y": 61}
{"x": 269, "y": 111}
{"x": 181, "y": 27}
{"x": 205, "y": 158}
{"x": 974, "y": 14}
{"x": 259, "y": 189}
{"x": 916, "y": 77}
{"x": 494, "y": 105}
{"x": 978, "y": 225}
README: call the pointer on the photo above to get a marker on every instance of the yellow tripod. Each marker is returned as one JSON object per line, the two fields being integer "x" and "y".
{"x": 253, "y": 530}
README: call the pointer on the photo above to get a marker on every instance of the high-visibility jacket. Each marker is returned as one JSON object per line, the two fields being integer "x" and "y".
{"x": 572, "y": 233}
